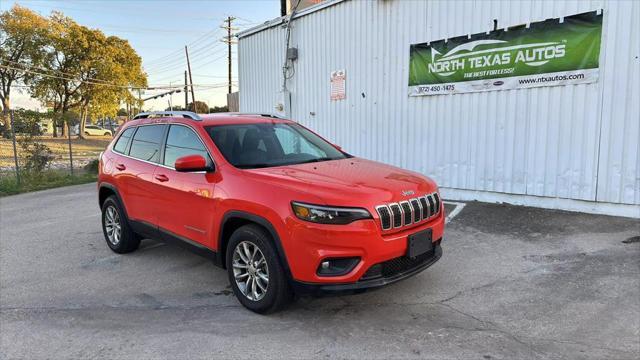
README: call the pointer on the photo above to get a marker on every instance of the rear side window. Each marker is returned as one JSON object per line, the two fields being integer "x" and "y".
{"x": 182, "y": 141}
{"x": 121, "y": 144}
{"x": 146, "y": 142}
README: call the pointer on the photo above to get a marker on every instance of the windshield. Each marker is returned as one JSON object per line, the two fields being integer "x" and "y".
{"x": 248, "y": 146}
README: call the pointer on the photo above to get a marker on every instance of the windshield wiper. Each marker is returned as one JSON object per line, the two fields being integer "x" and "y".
{"x": 254, "y": 166}
{"x": 316, "y": 160}
{"x": 264, "y": 165}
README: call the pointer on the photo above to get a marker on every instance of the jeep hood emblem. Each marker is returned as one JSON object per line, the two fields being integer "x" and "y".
{"x": 407, "y": 192}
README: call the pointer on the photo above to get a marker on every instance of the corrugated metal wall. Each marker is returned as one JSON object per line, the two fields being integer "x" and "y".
{"x": 574, "y": 142}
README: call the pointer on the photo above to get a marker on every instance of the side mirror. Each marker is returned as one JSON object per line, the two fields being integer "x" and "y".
{"x": 192, "y": 163}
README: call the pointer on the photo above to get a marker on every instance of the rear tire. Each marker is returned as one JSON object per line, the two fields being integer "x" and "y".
{"x": 115, "y": 227}
{"x": 262, "y": 284}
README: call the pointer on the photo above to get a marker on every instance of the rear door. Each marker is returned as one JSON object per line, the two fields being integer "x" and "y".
{"x": 185, "y": 200}
{"x": 137, "y": 173}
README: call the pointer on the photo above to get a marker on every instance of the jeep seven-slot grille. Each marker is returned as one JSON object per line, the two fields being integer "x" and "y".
{"x": 408, "y": 212}
{"x": 385, "y": 216}
{"x": 432, "y": 204}
{"x": 417, "y": 210}
{"x": 425, "y": 207}
{"x": 396, "y": 215}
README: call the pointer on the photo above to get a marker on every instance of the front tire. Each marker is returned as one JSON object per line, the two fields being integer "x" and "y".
{"x": 255, "y": 273}
{"x": 115, "y": 227}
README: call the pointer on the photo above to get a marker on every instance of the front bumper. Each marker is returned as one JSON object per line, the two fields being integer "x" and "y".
{"x": 318, "y": 289}
{"x": 307, "y": 245}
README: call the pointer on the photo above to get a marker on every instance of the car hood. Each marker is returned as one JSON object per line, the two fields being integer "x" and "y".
{"x": 350, "y": 182}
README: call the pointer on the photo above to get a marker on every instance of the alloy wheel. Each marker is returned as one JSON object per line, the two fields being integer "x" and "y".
{"x": 250, "y": 270}
{"x": 112, "y": 225}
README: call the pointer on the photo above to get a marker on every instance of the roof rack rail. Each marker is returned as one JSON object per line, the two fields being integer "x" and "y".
{"x": 185, "y": 114}
{"x": 256, "y": 114}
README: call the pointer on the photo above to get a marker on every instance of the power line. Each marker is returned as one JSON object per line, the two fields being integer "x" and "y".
{"x": 53, "y": 71}
{"x": 177, "y": 60}
{"x": 150, "y": 87}
{"x": 197, "y": 63}
{"x": 176, "y": 76}
{"x": 212, "y": 61}
{"x": 169, "y": 63}
{"x": 215, "y": 76}
{"x": 170, "y": 55}
{"x": 135, "y": 12}
{"x": 71, "y": 79}
{"x": 245, "y": 19}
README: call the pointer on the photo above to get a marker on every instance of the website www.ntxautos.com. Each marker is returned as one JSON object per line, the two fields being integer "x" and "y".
{"x": 541, "y": 79}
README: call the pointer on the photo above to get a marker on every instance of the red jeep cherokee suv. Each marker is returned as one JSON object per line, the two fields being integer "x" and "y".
{"x": 282, "y": 209}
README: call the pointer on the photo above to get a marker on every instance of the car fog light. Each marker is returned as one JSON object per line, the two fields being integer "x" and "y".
{"x": 337, "y": 267}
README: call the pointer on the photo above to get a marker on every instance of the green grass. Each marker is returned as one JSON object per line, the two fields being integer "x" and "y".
{"x": 42, "y": 180}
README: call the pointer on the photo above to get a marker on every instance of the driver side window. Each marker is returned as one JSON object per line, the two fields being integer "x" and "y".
{"x": 182, "y": 141}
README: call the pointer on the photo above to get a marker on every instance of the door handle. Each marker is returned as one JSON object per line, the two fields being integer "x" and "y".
{"x": 162, "y": 178}
{"x": 120, "y": 167}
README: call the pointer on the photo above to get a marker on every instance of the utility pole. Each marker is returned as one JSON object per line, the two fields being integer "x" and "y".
{"x": 186, "y": 91}
{"x": 193, "y": 95}
{"x": 229, "y": 40}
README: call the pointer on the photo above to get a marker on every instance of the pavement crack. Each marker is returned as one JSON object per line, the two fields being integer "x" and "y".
{"x": 508, "y": 278}
{"x": 488, "y": 325}
{"x": 573, "y": 342}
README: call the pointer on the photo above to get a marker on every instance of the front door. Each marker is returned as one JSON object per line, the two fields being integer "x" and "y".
{"x": 185, "y": 200}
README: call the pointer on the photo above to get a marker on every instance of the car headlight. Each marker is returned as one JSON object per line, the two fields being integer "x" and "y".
{"x": 328, "y": 214}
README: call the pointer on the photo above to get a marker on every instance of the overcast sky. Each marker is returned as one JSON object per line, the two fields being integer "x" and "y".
{"x": 158, "y": 31}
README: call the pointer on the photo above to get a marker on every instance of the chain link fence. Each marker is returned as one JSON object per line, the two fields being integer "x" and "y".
{"x": 32, "y": 158}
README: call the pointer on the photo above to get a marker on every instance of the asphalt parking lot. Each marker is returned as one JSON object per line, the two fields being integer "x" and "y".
{"x": 513, "y": 283}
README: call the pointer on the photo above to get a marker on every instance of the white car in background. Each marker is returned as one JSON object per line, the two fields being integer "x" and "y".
{"x": 93, "y": 130}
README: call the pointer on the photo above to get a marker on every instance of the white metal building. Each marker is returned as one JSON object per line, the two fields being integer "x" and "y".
{"x": 573, "y": 147}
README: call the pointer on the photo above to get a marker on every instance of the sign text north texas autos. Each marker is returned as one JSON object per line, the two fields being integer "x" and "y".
{"x": 533, "y": 56}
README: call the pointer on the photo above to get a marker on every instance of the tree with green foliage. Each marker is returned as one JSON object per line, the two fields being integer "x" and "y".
{"x": 94, "y": 73}
{"x": 201, "y": 107}
{"x": 65, "y": 53}
{"x": 21, "y": 40}
{"x": 116, "y": 62}
{"x": 217, "y": 109}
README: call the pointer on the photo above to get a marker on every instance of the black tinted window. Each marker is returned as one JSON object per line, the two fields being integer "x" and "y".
{"x": 121, "y": 144}
{"x": 146, "y": 142}
{"x": 182, "y": 141}
{"x": 268, "y": 144}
